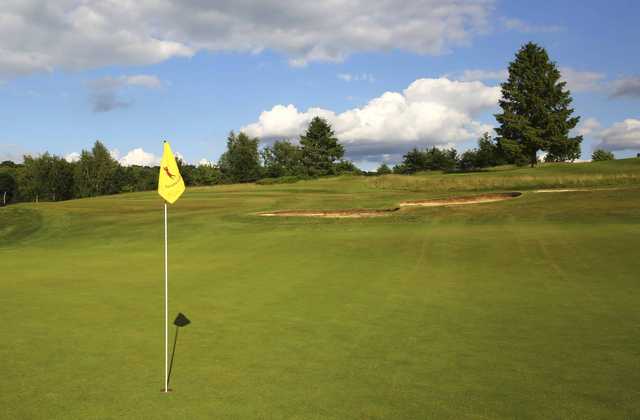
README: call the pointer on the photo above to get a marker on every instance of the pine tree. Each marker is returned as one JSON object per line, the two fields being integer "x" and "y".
{"x": 535, "y": 108}
{"x": 320, "y": 149}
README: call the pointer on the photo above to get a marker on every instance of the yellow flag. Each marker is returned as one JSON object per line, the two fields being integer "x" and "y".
{"x": 170, "y": 183}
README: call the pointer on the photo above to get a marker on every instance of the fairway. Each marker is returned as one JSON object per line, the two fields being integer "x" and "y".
{"x": 522, "y": 308}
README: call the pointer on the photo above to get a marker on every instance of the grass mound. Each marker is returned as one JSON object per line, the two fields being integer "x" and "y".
{"x": 18, "y": 223}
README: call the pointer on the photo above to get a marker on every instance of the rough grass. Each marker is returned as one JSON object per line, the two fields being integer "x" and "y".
{"x": 557, "y": 175}
{"x": 524, "y": 308}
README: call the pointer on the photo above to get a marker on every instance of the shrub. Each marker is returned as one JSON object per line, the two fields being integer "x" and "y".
{"x": 601, "y": 154}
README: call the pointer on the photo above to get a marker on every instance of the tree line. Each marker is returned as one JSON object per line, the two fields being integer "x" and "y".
{"x": 536, "y": 115}
{"x": 52, "y": 178}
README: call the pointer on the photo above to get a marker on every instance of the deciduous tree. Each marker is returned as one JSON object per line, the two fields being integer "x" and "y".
{"x": 601, "y": 154}
{"x": 282, "y": 159}
{"x": 241, "y": 161}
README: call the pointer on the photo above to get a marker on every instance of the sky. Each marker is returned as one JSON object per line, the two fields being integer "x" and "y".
{"x": 388, "y": 75}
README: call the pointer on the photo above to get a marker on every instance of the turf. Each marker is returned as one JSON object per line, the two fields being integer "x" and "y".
{"x": 526, "y": 308}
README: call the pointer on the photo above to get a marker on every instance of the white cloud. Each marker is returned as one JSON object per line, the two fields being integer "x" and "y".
{"x": 588, "y": 126}
{"x": 72, "y": 157}
{"x": 628, "y": 86}
{"x": 621, "y": 135}
{"x": 144, "y": 80}
{"x": 528, "y": 28}
{"x": 205, "y": 162}
{"x": 582, "y": 81}
{"x": 428, "y": 112}
{"x": 135, "y": 156}
{"x": 40, "y": 36}
{"x": 139, "y": 157}
{"x": 364, "y": 77}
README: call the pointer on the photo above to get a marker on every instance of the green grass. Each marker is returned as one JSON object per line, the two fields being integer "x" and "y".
{"x": 526, "y": 308}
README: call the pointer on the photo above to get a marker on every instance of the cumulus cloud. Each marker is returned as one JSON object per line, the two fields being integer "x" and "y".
{"x": 115, "y": 154}
{"x": 139, "y": 157}
{"x": 588, "y": 127}
{"x": 104, "y": 92}
{"x": 436, "y": 112}
{"x": 626, "y": 87}
{"x": 42, "y": 36}
{"x": 622, "y": 135}
{"x": 205, "y": 162}
{"x": 72, "y": 157}
{"x": 364, "y": 77}
{"x": 619, "y": 136}
{"x": 135, "y": 156}
{"x": 69, "y": 34}
{"x": 528, "y": 28}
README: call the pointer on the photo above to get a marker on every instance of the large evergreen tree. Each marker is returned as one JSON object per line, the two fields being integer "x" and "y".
{"x": 535, "y": 109}
{"x": 320, "y": 149}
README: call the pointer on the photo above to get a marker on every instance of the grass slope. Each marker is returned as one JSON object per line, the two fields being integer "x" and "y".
{"x": 526, "y": 308}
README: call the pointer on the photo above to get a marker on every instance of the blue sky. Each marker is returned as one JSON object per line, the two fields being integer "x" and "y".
{"x": 389, "y": 76}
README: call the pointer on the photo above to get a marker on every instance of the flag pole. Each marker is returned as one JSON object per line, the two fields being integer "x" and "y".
{"x": 170, "y": 187}
{"x": 166, "y": 304}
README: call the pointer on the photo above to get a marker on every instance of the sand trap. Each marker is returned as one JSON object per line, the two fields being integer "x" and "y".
{"x": 563, "y": 190}
{"x": 335, "y": 214}
{"x": 356, "y": 213}
{"x": 455, "y": 201}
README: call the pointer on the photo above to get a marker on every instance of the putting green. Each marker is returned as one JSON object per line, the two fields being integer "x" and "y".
{"x": 523, "y": 308}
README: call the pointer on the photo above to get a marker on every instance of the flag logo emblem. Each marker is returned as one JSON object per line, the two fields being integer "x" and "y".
{"x": 166, "y": 170}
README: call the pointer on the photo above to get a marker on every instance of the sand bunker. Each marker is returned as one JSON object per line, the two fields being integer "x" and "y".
{"x": 454, "y": 201}
{"x": 563, "y": 190}
{"x": 356, "y": 213}
{"x": 335, "y": 214}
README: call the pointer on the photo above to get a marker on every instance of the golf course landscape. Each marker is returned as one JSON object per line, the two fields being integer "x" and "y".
{"x": 526, "y": 307}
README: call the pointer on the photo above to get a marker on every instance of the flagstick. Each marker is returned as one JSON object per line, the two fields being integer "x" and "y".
{"x": 166, "y": 304}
